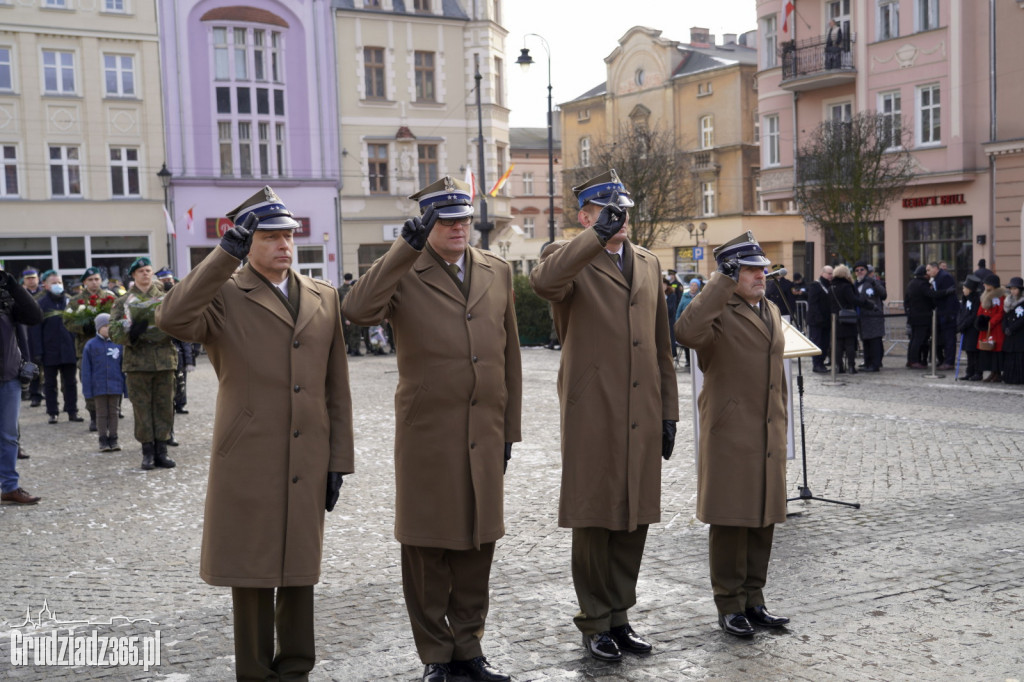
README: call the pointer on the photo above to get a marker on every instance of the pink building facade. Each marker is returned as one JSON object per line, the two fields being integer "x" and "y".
{"x": 929, "y": 66}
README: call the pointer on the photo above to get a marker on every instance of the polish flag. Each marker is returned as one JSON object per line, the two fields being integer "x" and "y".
{"x": 170, "y": 223}
{"x": 471, "y": 181}
{"x": 501, "y": 181}
{"x": 785, "y": 16}
{"x": 189, "y": 220}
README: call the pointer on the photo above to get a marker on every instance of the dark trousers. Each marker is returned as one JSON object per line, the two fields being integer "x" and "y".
{"x": 106, "y": 415}
{"x": 873, "y": 352}
{"x": 972, "y": 364}
{"x": 821, "y": 336}
{"x": 738, "y": 558}
{"x": 68, "y": 388}
{"x": 256, "y": 616}
{"x": 917, "y": 349}
{"x": 846, "y": 349}
{"x": 605, "y": 567}
{"x": 447, "y": 598}
{"x": 946, "y": 343}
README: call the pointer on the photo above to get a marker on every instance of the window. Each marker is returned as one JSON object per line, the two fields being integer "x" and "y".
{"x": 119, "y": 75}
{"x": 584, "y": 151}
{"x": 762, "y": 205}
{"x": 371, "y": 3}
{"x": 65, "y": 171}
{"x": 888, "y": 19}
{"x": 9, "y": 176}
{"x": 889, "y": 106}
{"x": 499, "y": 85}
{"x": 707, "y": 198}
{"x": 378, "y": 171}
{"x": 427, "y": 157}
{"x": 56, "y": 4}
{"x": 583, "y": 115}
{"x": 757, "y": 128}
{"x": 58, "y": 72}
{"x": 707, "y": 132}
{"x": 840, "y": 112}
{"x": 424, "y": 76}
{"x": 373, "y": 65}
{"x": 771, "y": 42}
{"x": 929, "y": 122}
{"x": 221, "y": 69}
{"x": 771, "y": 138}
{"x": 124, "y": 171}
{"x": 421, "y": 5}
{"x": 245, "y": 148}
{"x": 528, "y": 184}
{"x": 264, "y": 148}
{"x": 529, "y": 227}
{"x": 6, "y": 70}
{"x": 114, "y": 6}
{"x": 259, "y": 55}
{"x": 927, "y": 15}
{"x": 226, "y": 156}
{"x": 279, "y": 151}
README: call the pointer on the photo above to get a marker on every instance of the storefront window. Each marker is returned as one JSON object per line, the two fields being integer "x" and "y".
{"x": 940, "y": 239}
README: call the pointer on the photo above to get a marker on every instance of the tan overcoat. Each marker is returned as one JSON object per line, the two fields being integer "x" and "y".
{"x": 459, "y": 393}
{"x": 616, "y": 382}
{"x": 741, "y": 474}
{"x": 284, "y": 419}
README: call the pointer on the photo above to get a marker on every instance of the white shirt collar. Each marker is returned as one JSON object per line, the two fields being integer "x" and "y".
{"x": 283, "y": 286}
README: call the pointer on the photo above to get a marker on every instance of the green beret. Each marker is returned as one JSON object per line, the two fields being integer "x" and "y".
{"x": 139, "y": 262}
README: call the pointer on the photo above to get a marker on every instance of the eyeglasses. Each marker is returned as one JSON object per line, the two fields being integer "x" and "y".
{"x": 451, "y": 222}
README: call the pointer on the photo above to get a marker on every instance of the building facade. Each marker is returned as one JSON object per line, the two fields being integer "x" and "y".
{"x": 81, "y": 136}
{"x": 705, "y": 93}
{"x": 407, "y": 77}
{"x": 251, "y": 100}
{"x": 924, "y": 65}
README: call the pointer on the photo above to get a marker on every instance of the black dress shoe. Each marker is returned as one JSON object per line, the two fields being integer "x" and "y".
{"x": 73, "y": 417}
{"x": 820, "y": 370}
{"x": 759, "y": 615}
{"x": 478, "y": 670}
{"x": 21, "y": 454}
{"x": 180, "y": 410}
{"x": 627, "y": 640}
{"x": 602, "y": 647}
{"x": 736, "y": 624}
{"x": 53, "y": 419}
{"x": 436, "y": 672}
{"x": 871, "y": 369}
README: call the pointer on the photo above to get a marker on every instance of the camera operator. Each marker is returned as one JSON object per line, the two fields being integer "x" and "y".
{"x": 16, "y": 307}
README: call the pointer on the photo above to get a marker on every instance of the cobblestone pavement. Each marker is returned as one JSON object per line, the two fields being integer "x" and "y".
{"x": 924, "y": 581}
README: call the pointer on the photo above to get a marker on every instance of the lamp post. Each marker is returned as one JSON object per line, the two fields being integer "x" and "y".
{"x": 483, "y": 225}
{"x": 524, "y": 61}
{"x": 697, "y": 233}
{"x": 165, "y": 182}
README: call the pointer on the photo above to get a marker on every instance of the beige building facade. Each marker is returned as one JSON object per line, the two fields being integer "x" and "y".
{"x": 703, "y": 91}
{"x": 408, "y": 112}
{"x": 81, "y": 136}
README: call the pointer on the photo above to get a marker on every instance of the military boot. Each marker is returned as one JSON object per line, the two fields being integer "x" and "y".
{"x": 112, "y": 444}
{"x": 148, "y": 453}
{"x": 162, "y": 460}
{"x": 104, "y": 444}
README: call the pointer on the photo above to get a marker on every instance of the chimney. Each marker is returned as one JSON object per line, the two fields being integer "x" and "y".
{"x": 699, "y": 36}
{"x": 728, "y": 38}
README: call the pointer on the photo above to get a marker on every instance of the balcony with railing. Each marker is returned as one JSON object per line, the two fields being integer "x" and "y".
{"x": 814, "y": 63}
{"x": 704, "y": 161}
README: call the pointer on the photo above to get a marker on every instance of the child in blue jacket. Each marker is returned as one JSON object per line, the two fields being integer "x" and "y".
{"x": 103, "y": 381}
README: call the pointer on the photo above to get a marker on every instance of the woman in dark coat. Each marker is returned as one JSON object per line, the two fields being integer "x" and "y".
{"x": 1013, "y": 331}
{"x": 990, "y": 326}
{"x": 965, "y": 326}
{"x": 845, "y": 295}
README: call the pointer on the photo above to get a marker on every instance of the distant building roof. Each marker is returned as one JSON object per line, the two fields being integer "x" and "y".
{"x": 532, "y": 138}
{"x": 450, "y": 9}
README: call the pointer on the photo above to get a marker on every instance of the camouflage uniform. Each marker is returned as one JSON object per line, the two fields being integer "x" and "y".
{"x": 149, "y": 364}
{"x": 83, "y": 332}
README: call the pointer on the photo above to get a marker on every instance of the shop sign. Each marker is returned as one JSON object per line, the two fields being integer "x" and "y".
{"x": 937, "y": 200}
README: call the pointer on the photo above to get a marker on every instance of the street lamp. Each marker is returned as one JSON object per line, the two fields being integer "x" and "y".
{"x": 524, "y": 61}
{"x": 483, "y": 225}
{"x": 165, "y": 182}
{"x": 697, "y": 233}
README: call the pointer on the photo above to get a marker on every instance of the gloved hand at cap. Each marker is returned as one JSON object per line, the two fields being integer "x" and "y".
{"x": 611, "y": 220}
{"x": 416, "y": 230}
{"x": 730, "y": 268}
{"x": 238, "y": 239}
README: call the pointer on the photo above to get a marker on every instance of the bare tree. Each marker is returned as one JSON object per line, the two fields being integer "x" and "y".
{"x": 655, "y": 170}
{"x": 848, "y": 174}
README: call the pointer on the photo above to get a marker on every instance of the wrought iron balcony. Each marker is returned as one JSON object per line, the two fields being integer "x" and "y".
{"x": 812, "y": 63}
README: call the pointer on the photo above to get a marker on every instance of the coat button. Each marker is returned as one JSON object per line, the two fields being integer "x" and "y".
{"x": 636, "y": 342}
{"x": 635, "y": 384}
{"x": 472, "y": 446}
{"x": 475, "y": 358}
{"x": 295, "y": 344}
{"x": 295, "y": 479}
{"x": 469, "y": 316}
{"x": 634, "y": 425}
{"x": 295, "y": 433}
{"x": 297, "y": 388}
{"x": 769, "y": 454}
{"x": 473, "y": 401}
{"x": 769, "y": 420}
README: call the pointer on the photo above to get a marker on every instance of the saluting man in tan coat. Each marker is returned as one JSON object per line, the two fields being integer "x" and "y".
{"x": 617, "y": 388}
{"x": 457, "y": 413}
{"x": 741, "y": 473}
{"x": 282, "y": 436}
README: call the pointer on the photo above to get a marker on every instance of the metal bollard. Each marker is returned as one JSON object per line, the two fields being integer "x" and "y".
{"x": 935, "y": 341}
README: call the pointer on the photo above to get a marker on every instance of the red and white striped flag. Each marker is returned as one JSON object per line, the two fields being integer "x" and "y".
{"x": 189, "y": 220}
{"x": 471, "y": 181}
{"x": 501, "y": 181}
{"x": 170, "y": 223}
{"x": 785, "y": 16}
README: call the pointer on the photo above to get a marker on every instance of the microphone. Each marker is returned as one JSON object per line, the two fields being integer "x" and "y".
{"x": 777, "y": 273}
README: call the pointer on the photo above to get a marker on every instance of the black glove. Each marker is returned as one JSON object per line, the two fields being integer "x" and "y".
{"x": 7, "y": 281}
{"x": 611, "y": 220}
{"x": 238, "y": 239}
{"x": 668, "y": 437}
{"x": 730, "y": 268}
{"x": 137, "y": 329}
{"x": 334, "y": 482}
{"x": 89, "y": 329}
{"x": 508, "y": 456}
{"x": 416, "y": 230}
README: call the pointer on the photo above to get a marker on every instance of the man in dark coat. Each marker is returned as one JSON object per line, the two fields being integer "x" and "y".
{"x": 819, "y": 318}
{"x": 943, "y": 294}
{"x": 872, "y": 319}
{"x": 780, "y": 292}
{"x": 741, "y": 471}
{"x": 53, "y": 348}
{"x": 282, "y": 435}
{"x": 918, "y": 305}
{"x": 619, "y": 407}
{"x": 965, "y": 325}
{"x": 457, "y": 412}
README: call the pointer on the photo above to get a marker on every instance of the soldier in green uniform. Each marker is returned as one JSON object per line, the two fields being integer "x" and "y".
{"x": 149, "y": 363}
{"x": 92, "y": 285}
